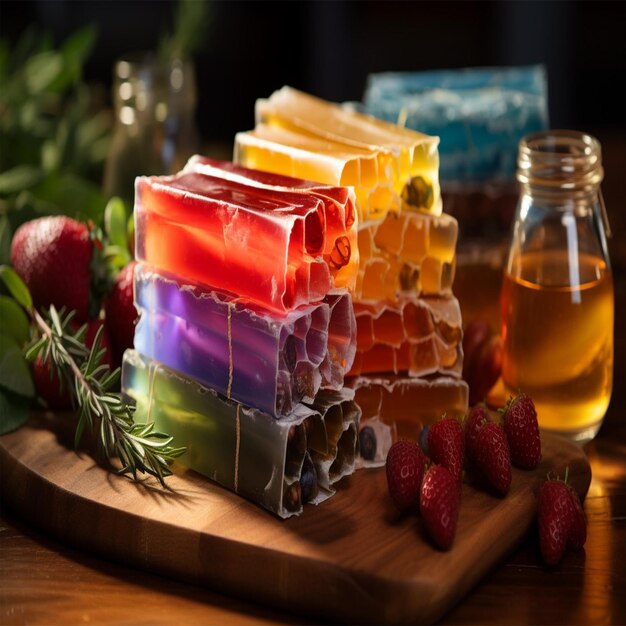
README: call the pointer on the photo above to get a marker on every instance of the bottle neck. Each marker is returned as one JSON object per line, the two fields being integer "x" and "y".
{"x": 562, "y": 170}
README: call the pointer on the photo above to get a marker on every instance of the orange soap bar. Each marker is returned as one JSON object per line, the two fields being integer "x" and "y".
{"x": 395, "y": 408}
{"x": 417, "y": 336}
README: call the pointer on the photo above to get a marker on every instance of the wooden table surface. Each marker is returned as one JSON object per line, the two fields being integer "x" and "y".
{"x": 44, "y": 582}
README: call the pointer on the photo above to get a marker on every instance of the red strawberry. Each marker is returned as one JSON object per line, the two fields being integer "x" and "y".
{"x": 405, "y": 469}
{"x": 522, "y": 431}
{"x": 556, "y": 515}
{"x": 482, "y": 361}
{"x": 53, "y": 255}
{"x": 48, "y": 386}
{"x": 578, "y": 531}
{"x": 439, "y": 505}
{"x": 446, "y": 446}
{"x": 47, "y": 383}
{"x": 120, "y": 313}
{"x": 476, "y": 419}
{"x": 493, "y": 458}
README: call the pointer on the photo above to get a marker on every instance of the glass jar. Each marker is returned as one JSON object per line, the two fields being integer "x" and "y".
{"x": 155, "y": 131}
{"x": 557, "y": 302}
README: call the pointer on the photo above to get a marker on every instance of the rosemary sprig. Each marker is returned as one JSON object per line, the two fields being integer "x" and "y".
{"x": 138, "y": 446}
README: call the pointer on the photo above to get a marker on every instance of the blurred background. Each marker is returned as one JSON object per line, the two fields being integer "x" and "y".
{"x": 240, "y": 51}
{"x": 328, "y": 48}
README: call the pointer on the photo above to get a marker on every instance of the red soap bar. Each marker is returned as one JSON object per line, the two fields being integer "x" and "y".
{"x": 264, "y": 245}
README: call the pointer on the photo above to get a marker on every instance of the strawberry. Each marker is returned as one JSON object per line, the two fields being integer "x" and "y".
{"x": 53, "y": 255}
{"x": 120, "y": 313}
{"x": 578, "y": 531}
{"x": 405, "y": 469}
{"x": 519, "y": 419}
{"x": 482, "y": 361}
{"x": 493, "y": 458}
{"x": 555, "y": 515}
{"x": 46, "y": 381}
{"x": 562, "y": 521}
{"x": 447, "y": 447}
{"x": 439, "y": 505}
{"x": 477, "y": 417}
{"x": 48, "y": 385}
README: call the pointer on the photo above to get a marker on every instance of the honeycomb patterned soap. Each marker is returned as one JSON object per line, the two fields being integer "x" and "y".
{"x": 269, "y": 462}
{"x": 406, "y": 253}
{"x": 270, "y": 363}
{"x": 394, "y": 408}
{"x": 300, "y": 135}
{"x": 416, "y": 337}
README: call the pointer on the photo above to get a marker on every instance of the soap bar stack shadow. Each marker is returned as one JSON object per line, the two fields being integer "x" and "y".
{"x": 246, "y": 328}
{"x": 407, "y": 368}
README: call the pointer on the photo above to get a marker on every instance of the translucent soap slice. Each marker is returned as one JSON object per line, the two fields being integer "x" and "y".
{"x": 402, "y": 154}
{"x": 406, "y": 253}
{"x": 245, "y": 450}
{"x": 416, "y": 336}
{"x": 387, "y": 166}
{"x": 285, "y": 152}
{"x": 340, "y": 250}
{"x": 341, "y": 417}
{"x": 395, "y": 408}
{"x": 268, "y": 362}
{"x": 264, "y": 246}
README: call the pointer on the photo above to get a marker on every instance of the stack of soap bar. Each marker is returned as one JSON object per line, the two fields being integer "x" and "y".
{"x": 303, "y": 136}
{"x": 480, "y": 114}
{"x": 276, "y": 463}
{"x": 246, "y": 328}
{"x": 395, "y": 408}
{"x": 409, "y": 323}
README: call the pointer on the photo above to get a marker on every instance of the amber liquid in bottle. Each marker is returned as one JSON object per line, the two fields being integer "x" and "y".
{"x": 558, "y": 337}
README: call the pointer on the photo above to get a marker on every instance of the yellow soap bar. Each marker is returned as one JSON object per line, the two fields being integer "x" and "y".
{"x": 389, "y": 166}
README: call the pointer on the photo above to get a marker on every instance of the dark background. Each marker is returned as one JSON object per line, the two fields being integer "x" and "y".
{"x": 329, "y": 47}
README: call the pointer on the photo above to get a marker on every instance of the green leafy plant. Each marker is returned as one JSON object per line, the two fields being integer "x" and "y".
{"x": 25, "y": 334}
{"x": 192, "y": 21}
{"x": 53, "y": 143}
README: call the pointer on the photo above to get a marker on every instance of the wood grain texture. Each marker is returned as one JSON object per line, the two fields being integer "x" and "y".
{"x": 351, "y": 559}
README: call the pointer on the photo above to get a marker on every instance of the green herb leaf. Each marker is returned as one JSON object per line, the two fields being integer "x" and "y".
{"x": 16, "y": 286}
{"x": 115, "y": 229}
{"x": 14, "y": 373}
{"x": 18, "y": 178}
{"x": 14, "y": 411}
{"x": 13, "y": 321}
{"x": 41, "y": 70}
{"x": 115, "y": 221}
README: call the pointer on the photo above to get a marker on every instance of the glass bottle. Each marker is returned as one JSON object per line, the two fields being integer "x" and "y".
{"x": 557, "y": 302}
{"x": 155, "y": 131}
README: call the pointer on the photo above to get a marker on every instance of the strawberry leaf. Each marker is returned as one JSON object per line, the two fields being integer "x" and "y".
{"x": 14, "y": 410}
{"x": 14, "y": 373}
{"x": 16, "y": 286}
{"x": 13, "y": 320}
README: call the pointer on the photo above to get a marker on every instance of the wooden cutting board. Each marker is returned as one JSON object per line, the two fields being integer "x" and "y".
{"x": 352, "y": 559}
